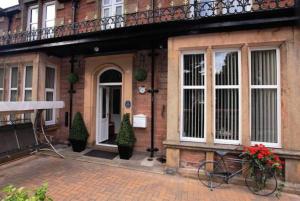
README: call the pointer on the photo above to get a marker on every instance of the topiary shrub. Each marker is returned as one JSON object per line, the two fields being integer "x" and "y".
{"x": 78, "y": 134}
{"x": 126, "y": 136}
{"x": 73, "y": 78}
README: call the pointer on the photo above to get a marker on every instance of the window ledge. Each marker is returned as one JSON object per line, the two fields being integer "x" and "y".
{"x": 197, "y": 146}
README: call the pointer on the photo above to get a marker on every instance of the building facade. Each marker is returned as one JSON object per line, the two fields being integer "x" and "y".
{"x": 220, "y": 74}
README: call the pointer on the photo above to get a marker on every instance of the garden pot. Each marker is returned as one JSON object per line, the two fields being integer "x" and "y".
{"x": 125, "y": 152}
{"x": 78, "y": 145}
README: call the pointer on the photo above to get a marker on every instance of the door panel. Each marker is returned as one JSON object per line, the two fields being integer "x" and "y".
{"x": 103, "y": 115}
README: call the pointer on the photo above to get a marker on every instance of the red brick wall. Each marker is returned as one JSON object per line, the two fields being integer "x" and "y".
{"x": 65, "y": 96}
{"x": 142, "y": 102}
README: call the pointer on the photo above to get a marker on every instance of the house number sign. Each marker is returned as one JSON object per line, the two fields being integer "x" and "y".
{"x": 127, "y": 104}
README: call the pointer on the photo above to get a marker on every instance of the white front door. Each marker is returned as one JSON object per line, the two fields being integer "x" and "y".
{"x": 103, "y": 116}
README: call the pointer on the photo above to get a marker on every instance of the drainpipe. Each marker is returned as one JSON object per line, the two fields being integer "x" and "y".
{"x": 72, "y": 62}
{"x": 152, "y": 91}
{"x": 71, "y": 91}
{"x": 74, "y": 11}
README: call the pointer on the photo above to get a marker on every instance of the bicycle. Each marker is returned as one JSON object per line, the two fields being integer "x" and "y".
{"x": 215, "y": 172}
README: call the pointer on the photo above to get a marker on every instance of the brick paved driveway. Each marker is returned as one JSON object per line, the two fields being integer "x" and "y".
{"x": 82, "y": 181}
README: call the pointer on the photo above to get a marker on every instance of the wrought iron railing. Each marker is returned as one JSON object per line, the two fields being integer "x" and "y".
{"x": 204, "y": 9}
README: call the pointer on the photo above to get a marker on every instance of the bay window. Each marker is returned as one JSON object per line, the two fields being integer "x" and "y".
{"x": 193, "y": 96}
{"x": 265, "y": 96}
{"x": 227, "y": 96}
{"x": 50, "y": 93}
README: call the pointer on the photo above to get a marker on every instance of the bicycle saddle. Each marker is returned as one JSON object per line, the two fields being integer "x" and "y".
{"x": 222, "y": 153}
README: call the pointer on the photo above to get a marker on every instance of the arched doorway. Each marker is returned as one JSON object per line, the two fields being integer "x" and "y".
{"x": 109, "y": 98}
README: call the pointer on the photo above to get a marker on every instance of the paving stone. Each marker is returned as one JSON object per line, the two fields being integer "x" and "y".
{"x": 73, "y": 180}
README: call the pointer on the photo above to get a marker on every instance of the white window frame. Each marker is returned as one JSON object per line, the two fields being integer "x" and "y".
{"x": 112, "y": 7}
{"x": 182, "y": 87}
{"x": 29, "y": 17}
{"x": 278, "y": 144}
{"x": 29, "y": 24}
{"x": 2, "y": 89}
{"x": 214, "y": 87}
{"x": 45, "y": 13}
{"x": 24, "y": 84}
{"x": 10, "y": 79}
{"x": 51, "y": 122}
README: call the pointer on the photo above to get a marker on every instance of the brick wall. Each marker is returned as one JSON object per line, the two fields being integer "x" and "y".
{"x": 142, "y": 102}
{"x": 189, "y": 158}
{"x": 65, "y": 96}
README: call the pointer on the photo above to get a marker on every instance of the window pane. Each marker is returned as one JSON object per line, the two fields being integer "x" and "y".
{"x": 28, "y": 77}
{"x": 227, "y": 114}
{"x": 50, "y": 12}
{"x": 49, "y": 96}
{"x": 50, "y": 23}
{"x": 263, "y": 67}
{"x": 28, "y": 95}
{"x": 111, "y": 76}
{"x": 50, "y": 77}
{"x": 264, "y": 115}
{"x": 106, "y": 12}
{"x": 119, "y": 10}
{"x": 34, "y": 15}
{"x": 1, "y": 95}
{"x": 226, "y": 68}
{"x": 193, "y": 70}
{"x": 1, "y": 77}
{"x": 14, "y": 78}
{"x": 106, "y": 2}
{"x": 13, "y": 95}
{"x": 193, "y": 113}
{"x": 49, "y": 115}
{"x": 27, "y": 116}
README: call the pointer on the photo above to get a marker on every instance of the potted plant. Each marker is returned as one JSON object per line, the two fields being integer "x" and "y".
{"x": 264, "y": 165}
{"x": 140, "y": 74}
{"x": 125, "y": 138}
{"x": 78, "y": 134}
{"x": 73, "y": 78}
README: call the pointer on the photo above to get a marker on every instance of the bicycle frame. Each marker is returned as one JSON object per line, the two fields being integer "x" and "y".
{"x": 229, "y": 175}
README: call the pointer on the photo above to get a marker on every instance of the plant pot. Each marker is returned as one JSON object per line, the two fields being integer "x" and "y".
{"x": 125, "y": 152}
{"x": 78, "y": 145}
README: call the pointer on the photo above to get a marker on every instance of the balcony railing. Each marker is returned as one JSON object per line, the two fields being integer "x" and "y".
{"x": 204, "y": 9}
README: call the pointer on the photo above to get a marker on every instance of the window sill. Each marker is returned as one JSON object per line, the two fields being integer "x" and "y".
{"x": 200, "y": 146}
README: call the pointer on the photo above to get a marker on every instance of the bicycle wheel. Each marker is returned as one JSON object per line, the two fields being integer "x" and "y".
{"x": 262, "y": 183}
{"x": 211, "y": 174}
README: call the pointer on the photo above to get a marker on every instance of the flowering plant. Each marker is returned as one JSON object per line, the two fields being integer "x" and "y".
{"x": 263, "y": 158}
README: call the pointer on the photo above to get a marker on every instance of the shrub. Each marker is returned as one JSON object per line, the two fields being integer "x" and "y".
{"x": 126, "y": 136}
{"x": 78, "y": 130}
{"x": 11, "y": 193}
